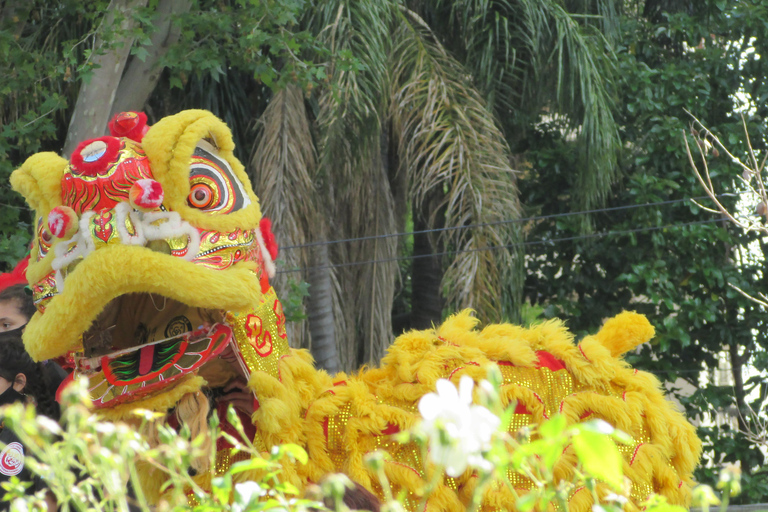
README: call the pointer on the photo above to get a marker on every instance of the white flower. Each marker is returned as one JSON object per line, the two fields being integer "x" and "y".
{"x": 458, "y": 430}
{"x": 617, "y": 498}
{"x": 245, "y": 491}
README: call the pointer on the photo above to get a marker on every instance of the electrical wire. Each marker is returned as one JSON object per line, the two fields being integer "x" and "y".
{"x": 507, "y": 246}
{"x": 500, "y": 222}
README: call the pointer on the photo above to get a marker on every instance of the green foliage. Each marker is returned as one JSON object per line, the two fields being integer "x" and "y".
{"x": 293, "y": 303}
{"x": 656, "y": 251}
{"x": 43, "y": 47}
{"x": 93, "y": 465}
{"x": 260, "y": 37}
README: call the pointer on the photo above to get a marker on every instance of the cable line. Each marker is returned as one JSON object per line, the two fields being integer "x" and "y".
{"x": 499, "y": 222}
{"x": 507, "y": 246}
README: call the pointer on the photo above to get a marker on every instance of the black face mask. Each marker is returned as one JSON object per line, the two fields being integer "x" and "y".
{"x": 10, "y": 396}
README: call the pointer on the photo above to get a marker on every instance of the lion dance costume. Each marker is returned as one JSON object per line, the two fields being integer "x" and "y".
{"x": 150, "y": 271}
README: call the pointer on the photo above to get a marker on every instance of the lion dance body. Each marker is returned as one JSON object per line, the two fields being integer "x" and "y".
{"x": 150, "y": 271}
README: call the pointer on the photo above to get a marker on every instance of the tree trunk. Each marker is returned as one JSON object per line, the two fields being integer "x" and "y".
{"x": 94, "y": 100}
{"x": 320, "y": 311}
{"x": 140, "y": 77}
{"x": 427, "y": 275}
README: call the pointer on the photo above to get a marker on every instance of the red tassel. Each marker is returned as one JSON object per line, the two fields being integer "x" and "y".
{"x": 269, "y": 239}
{"x": 16, "y": 276}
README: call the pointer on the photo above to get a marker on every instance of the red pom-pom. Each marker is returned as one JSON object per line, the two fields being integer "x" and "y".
{"x": 269, "y": 239}
{"x": 146, "y": 194}
{"x": 16, "y": 276}
{"x": 62, "y": 222}
{"x": 132, "y": 125}
{"x": 92, "y": 157}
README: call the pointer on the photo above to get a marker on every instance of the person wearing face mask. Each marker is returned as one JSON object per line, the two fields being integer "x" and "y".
{"x": 16, "y": 308}
{"x": 21, "y": 380}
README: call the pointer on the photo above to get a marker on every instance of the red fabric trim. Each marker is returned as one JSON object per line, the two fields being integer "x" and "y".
{"x": 634, "y": 454}
{"x": 544, "y": 412}
{"x": 249, "y": 429}
{"x": 520, "y": 408}
{"x": 585, "y": 355}
{"x": 461, "y": 368}
{"x": 403, "y": 465}
{"x": 66, "y": 382}
{"x": 265, "y": 225}
{"x": 547, "y": 360}
{"x": 390, "y": 429}
{"x": 264, "y": 281}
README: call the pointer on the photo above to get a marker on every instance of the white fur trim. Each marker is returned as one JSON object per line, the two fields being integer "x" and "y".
{"x": 269, "y": 265}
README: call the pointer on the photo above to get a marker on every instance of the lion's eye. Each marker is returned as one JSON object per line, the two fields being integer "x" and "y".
{"x": 213, "y": 186}
{"x": 201, "y": 196}
{"x": 44, "y": 239}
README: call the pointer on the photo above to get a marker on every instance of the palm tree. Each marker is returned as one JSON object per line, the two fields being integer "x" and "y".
{"x": 425, "y": 128}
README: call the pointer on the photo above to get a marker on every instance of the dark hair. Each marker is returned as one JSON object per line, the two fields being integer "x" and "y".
{"x": 19, "y": 294}
{"x": 14, "y": 360}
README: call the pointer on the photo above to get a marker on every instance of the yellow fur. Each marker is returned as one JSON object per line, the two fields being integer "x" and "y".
{"x": 157, "y": 403}
{"x": 101, "y": 277}
{"x": 604, "y": 387}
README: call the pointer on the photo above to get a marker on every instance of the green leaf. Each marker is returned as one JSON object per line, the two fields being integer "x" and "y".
{"x": 294, "y": 451}
{"x": 250, "y": 464}
{"x": 599, "y": 457}
{"x": 553, "y": 427}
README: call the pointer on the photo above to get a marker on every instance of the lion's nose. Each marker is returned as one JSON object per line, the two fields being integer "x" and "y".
{"x": 62, "y": 222}
{"x": 146, "y": 195}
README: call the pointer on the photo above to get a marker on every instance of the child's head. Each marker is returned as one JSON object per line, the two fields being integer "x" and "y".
{"x": 20, "y": 375}
{"x": 16, "y": 307}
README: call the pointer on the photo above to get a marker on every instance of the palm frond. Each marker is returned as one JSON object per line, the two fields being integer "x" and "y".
{"x": 375, "y": 282}
{"x": 282, "y": 166}
{"x": 583, "y": 66}
{"x": 528, "y": 56}
{"x": 350, "y": 114}
{"x": 350, "y": 109}
{"x": 448, "y": 141}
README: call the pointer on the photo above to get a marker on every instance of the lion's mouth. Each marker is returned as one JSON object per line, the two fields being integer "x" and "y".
{"x": 142, "y": 343}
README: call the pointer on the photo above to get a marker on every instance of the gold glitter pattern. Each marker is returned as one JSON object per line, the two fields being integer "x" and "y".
{"x": 43, "y": 291}
{"x": 260, "y": 335}
{"x": 220, "y": 251}
{"x": 335, "y": 436}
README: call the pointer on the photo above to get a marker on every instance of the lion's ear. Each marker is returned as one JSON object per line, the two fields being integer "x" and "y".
{"x": 39, "y": 181}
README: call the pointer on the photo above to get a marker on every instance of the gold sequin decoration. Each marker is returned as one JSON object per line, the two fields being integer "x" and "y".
{"x": 336, "y": 446}
{"x": 43, "y": 291}
{"x": 551, "y": 386}
{"x": 270, "y": 326}
{"x": 222, "y": 250}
